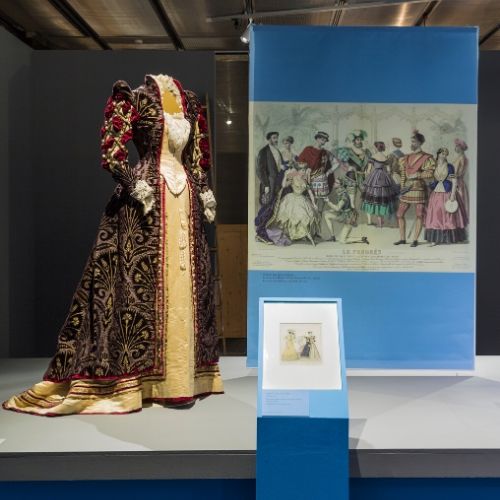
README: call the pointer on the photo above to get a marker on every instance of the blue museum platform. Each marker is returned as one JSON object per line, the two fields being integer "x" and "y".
{"x": 430, "y": 435}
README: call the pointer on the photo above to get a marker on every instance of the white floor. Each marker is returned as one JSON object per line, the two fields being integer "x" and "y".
{"x": 414, "y": 413}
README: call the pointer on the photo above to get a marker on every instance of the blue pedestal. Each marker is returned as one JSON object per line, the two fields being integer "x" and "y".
{"x": 302, "y": 435}
{"x": 301, "y": 458}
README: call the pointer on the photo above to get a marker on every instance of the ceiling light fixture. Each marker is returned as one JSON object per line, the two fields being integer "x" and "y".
{"x": 229, "y": 121}
{"x": 245, "y": 36}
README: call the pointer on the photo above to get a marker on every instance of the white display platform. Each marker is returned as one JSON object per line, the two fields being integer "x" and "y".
{"x": 399, "y": 427}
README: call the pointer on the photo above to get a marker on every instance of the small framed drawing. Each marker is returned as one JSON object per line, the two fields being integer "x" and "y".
{"x": 301, "y": 344}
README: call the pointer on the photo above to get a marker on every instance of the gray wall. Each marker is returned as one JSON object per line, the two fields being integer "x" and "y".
{"x": 16, "y": 283}
{"x": 488, "y": 246}
{"x": 70, "y": 188}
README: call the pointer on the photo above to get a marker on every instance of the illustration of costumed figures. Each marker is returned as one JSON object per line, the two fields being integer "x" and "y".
{"x": 444, "y": 222}
{"x": 319, "y": 162}
{"x": 290, "y": 352}
{"x": 295, "y": 214}
{"x": 310, "y": 349}
{"x": 356, "y": 157}
{"x": 343, "y": 211}
{"x": 379, "y": 192}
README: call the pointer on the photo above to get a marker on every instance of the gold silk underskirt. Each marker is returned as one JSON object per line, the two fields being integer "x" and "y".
{"x": 183, "y": 382}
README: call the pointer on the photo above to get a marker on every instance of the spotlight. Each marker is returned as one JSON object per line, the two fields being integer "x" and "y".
{"x": 229, "y": 121}
{"x": 245, "y": 36}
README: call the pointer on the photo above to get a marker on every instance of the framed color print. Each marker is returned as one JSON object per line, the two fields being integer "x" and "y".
{"x": 301, "y": 346}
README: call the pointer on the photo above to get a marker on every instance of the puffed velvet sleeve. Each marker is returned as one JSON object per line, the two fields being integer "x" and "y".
{"x": 120, "y": 117}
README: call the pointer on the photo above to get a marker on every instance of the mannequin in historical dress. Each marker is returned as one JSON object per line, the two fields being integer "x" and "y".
{"x": 141, "y": 325}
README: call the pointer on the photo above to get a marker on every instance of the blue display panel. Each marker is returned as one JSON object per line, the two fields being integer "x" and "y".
{"x": 350, "y": 64}
{"x": 404, "y": 307}
{"x": 391, "y": 320}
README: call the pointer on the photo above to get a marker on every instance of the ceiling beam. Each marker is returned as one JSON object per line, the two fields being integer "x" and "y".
{"x": 72, "y": 16}
{"x": 167, "y": 24}
{"x": 313, "y": 10}
{"x": 34, "y": 40}
{"x": 488, "y": 35}
{"x": 337, "y": 14}
{"x": 422, "y": 20}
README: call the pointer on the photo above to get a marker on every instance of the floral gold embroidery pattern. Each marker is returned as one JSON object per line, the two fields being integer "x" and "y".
{"x": 119, "y": 118}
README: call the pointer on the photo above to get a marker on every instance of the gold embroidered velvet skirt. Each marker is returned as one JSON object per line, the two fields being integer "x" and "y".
{"x": 182, "y": 383}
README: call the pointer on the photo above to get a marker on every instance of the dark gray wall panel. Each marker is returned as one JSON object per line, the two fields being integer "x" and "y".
{"x": 16, "y": 245}
{"x": 488, "y": 241}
